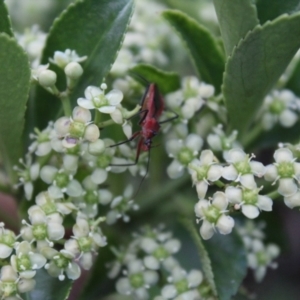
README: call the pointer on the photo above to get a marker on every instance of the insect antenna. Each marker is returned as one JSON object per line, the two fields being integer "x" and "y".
{"x": 139, "y": 78}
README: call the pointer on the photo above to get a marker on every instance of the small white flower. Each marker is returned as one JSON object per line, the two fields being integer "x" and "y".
{"x": 60, "y": 182}
{"x": 137, "y": 281}
{"x": 11, "y": 285}
{"x": 204, "y": 171}
{"x": 25, "y": 262}
{"x": 260, "y": 257}
{"x": 61, "y": 59}
{"x": 183, "y": 152}
{"x": 95, "y": 98}
{"x": 7, "y": 241}
{"x": 27, "y": 175}
{"x": 286, "y": 171}
{"x": 249, "y": 200}
{"x": 242, "y": 169}
{"x": 219, "y": 141}
{"x": 75, "y": 129}
{"x": 213, "y": 215}
{"x": 281, "y": 107}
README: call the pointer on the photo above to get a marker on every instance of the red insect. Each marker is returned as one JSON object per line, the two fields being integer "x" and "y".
{"x": 151, "y": 110}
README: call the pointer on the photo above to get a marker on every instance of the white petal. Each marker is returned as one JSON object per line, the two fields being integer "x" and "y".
{"x": 55, "y": 231}
{"x": 81, "y": 114}
{"x": 214, "y": 142}
{"x": 85, "y": 103}
{"x": 169, "y": 291}
{"x": 201, "y": 188}
{"x": 229, "y": 173}
{"x": 99, "y": 176}
{"x": 258, "y": 169}
{"x": 234, "y": 194}
{"x": 271, "y": 173}
{"x": 225, "y": 224}
{"x": 37, "y": 260}
{"x": 107, "y": 109}
{"x": 293, "y": 200}
{"x": 28, "y": 189}
{"x": 288, "y": 118}
{"x": 48, "y": 173}
{"x": 287, "y": 187}
{"x": 175, "y": 169}
{"x": 214, "y": 173}
{"x": 194, "y": 142}
{"x": 220, "y": 200}
{"x": 206, "y": 157}
{"x": 150, "y": 277}
{"x": 151, "y": 263}
{"x": 86, "y": 260}
{"x": 248, "y": 181}
{"x": 265, "y": 203}
{"x": 250, "y": 211}
{"x": 200, "y": 206}
{"x": 123, "y": 286}
{"x": 206, "y": 230}
{"x": 194, "y": 278}
{"x": 114, "y": 97}
{"x": 55, "y": 192}
{"x": 283, "y": 155}
{"x": 5, "y": 251}
{"x": 236, "y": 155}
{"x": 73, "y": 271}
{"x": 172, "y": 245}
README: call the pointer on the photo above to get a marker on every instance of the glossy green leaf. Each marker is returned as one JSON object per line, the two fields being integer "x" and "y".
{"x": 236, "y": 19}
{"x": 166, "y": 81}
{"x": 205, "y": 51}
{"x": 49, "y": 288}
{"x": 255, "y": 66}
{"x": 5, "y": 25}
{"x": 228, "y": 261}
{"x": 14, "y": 87}
{"x": 271, "y": 9}
{"x": 94, "y": 28}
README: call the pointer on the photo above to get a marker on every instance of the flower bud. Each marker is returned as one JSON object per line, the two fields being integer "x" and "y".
{"x": 92, "y": 133}
{"x": 47, "y": 78}
{"x": 73, "y": 70}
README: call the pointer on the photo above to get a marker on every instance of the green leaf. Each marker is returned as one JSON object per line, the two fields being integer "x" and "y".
{"x": 94, "y": 28}
{"x": 228, "y": 261}
{"x": 255, "y": 66}
{"x": 166, "y": 81}
{"x": 204, "y": 256}
{"x": 236, "y": 19}
{"x": 14, "y": 88}
{"x": 49, "y": 288}
{"x": 271, "y": 9}
{"x": 203, "y": 47}
{"x": 5, "y": 25}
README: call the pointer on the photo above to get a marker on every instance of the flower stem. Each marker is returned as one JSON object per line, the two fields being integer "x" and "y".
{"x": 97, "y": 118}
{"x": 219, "y": 183}
{"x": 64, "y": 97}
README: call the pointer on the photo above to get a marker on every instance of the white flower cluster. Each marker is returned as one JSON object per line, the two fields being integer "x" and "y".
{"x": 32, "y": 41}
{"x": 244, "y": 197}
{"x": 149, "y": 256}
{"x": 259, "y": 255}
{"x": 146, "y": 38}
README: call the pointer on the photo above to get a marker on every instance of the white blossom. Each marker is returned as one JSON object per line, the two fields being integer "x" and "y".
{"x": 286, "y": 171}
{"x": 204, "y": 171}
{"x": 242, "y": 169}
{"x": 95, "y": 98}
